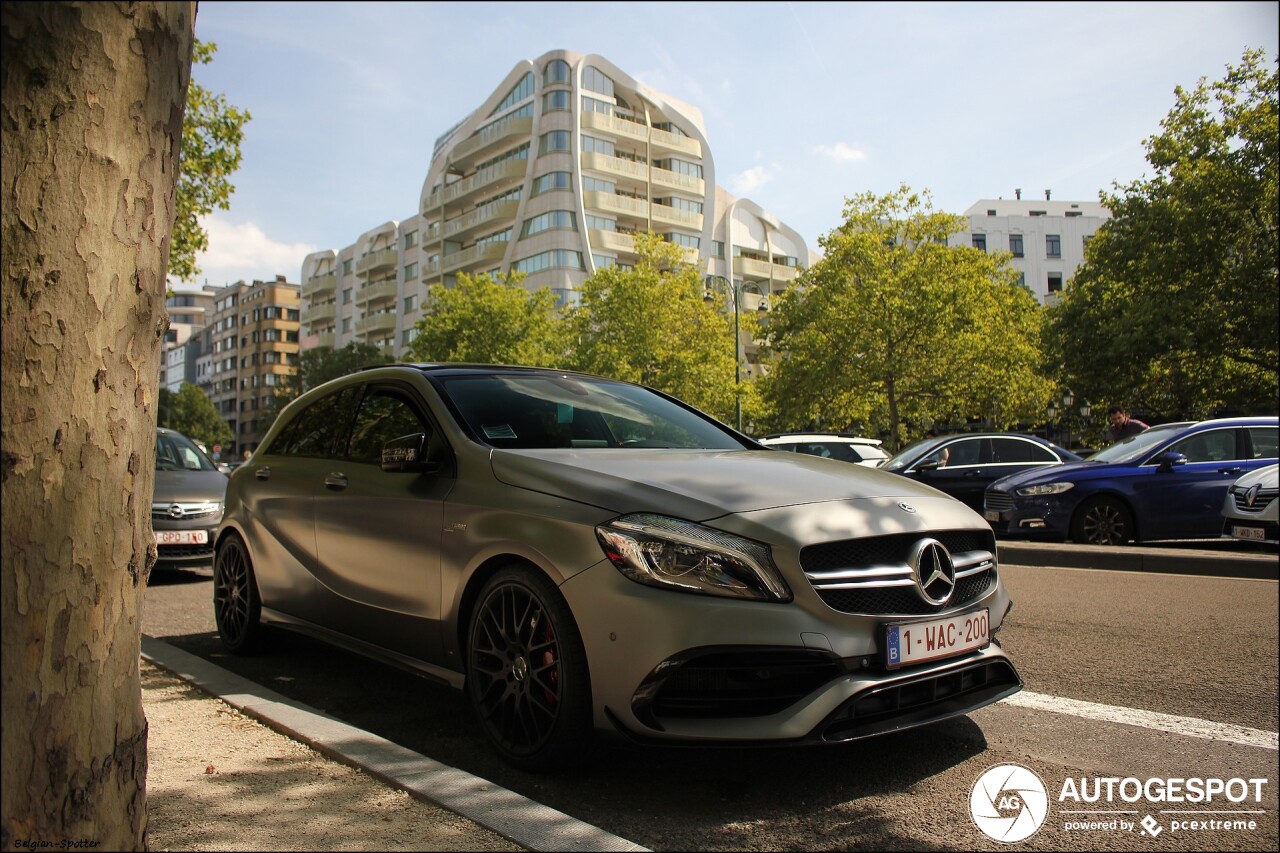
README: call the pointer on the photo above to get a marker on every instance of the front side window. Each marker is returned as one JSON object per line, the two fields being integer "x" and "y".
{"x": 319, "y": 429}
{"x": 384, "y": 415}
{"x": 1218, "y": 445}
{"x": 1262, "y": 442}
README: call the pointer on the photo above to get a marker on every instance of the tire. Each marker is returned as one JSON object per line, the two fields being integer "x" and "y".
{"x": 1103, "y": 521}
{"x": 527, "y": 676}
{"x": 237, "y": 607}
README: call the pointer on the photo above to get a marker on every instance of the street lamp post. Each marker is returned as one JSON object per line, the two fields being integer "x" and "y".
{"x": 734, "y": 290}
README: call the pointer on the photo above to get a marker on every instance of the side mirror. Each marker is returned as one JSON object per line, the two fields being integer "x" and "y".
{"x": 927, "y": 466}
{"x": 1165, "y": 461}
{"x": 408, "y": 455}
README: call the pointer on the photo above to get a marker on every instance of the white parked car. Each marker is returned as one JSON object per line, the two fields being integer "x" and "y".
{"x": 1250, "y": 510}
{"x": 846, "y": 448}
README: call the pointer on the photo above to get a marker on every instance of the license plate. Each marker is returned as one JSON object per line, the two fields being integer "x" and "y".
{"x": 991, "y": 515}
{"x": 181, "y": 537}
{"x": 915, "y": 642}
{"x": 1249, "y": 533}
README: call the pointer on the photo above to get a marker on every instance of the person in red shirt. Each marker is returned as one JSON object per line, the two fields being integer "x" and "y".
{"x": 1123, "y": 426}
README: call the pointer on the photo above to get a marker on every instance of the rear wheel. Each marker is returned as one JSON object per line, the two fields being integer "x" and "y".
{"x": 527, "y": 671}
{"x": 1103, "y": 521}
{"x": 237, "y": 608}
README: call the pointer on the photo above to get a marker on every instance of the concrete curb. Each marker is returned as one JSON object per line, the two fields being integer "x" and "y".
{"x": 514, "y": 817}
{"x": 1136, "y": 558}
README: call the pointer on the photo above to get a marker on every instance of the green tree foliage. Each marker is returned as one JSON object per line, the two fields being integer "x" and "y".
{"x": 191, "y": 412}
{"x": 317, "y": 366}
{"x": 893, "y": 327}
{"x": 484, "y": 321}
{"x": 211, "y": 134}
{"x": 651, "y": 325}
{"x": 1174, "y": 311}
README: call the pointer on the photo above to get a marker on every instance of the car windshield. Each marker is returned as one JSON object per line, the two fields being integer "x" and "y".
{"x": 911, "y": 452}
{"x": 175, "y": 452}
{"x": 1134, "y": 447}
{"x": 539, "y": 411}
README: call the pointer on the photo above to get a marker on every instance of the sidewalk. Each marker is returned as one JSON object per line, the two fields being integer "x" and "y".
{"x": 218, "y": 779}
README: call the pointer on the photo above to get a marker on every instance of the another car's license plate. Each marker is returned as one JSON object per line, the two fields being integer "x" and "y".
{"x": 915, "y": 642}
{"x": 1248, "y": 532}
{"x": 991, "y": 515}
{"x": 181, "y": 537}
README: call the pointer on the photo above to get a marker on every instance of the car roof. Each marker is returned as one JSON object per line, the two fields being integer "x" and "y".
{"x": 821, "y": 436}
{"x": 479, "y": 369}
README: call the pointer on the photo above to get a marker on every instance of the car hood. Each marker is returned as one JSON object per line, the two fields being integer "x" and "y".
{"x": 1268, "y": 478}
{"x": 189, "y": 486}
{"x": 696, "y": 484}
{"x": 1075, "y": 472}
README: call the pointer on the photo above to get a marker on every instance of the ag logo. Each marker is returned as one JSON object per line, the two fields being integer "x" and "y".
{"x": 1009, "y": 803}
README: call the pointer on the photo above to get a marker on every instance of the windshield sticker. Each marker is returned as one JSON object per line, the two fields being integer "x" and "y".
{"x": 498, "y": 431}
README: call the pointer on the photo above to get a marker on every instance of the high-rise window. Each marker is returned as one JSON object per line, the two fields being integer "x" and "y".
{"x": 980, "y": 242}
{"x": 595, "y": 80}
{"x": 1053, "y": 245}
{"x": 557, "y": 71}
{"x": 551, "y": 181}
{"x": 556, "y": 140}
{"x": 1055, "y": 282}
{"x": 1015, "y": 245}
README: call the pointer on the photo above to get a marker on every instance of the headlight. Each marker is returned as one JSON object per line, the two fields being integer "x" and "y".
{"x": 680, "y": 555}
{"x": 1046, "y": 489}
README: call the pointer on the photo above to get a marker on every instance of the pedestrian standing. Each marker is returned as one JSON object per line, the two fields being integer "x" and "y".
{"x": 1123, "y": 426}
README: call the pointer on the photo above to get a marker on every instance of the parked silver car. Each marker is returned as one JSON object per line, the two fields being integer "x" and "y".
{"x": 186, "y": 506}
{"x": 580, "y": 554}
{"x": 1250, "y": 511}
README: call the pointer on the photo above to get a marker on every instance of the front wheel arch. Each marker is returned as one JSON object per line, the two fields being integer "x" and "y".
{"x": 1104, "y": 519}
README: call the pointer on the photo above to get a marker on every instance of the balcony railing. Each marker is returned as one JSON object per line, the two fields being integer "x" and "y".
{"x": 676, "y": 216}
{"x": 380, "y": 291}
{"x": 615, "y": 125}
{"x": 611, "y": 240}
{"x": 319, "y": 285}
{"x": 459, "y": 190}
{"x": 476, "y": 254}
{"x": 481, "y": 216}
{"x": 319, "y": 313}
{"x": 376, "y": 323}
{"x": 617, "y": 204}
{"x": 675, "y": 142}
{"x": 755, "y": 268}
{"x": 615, "y": 166}
{"x": 675, "y": 180}
{"x": 491, "y": 138}
{"x": 377, "y": 260}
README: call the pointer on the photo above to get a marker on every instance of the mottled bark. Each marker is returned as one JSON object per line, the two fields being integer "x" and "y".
{"x": 93, "y": 97}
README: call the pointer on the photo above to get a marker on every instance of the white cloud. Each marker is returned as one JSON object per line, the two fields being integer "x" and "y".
{"x": 841, "y": 152}
{"x": 752, "y": 179}
{"x": 242, "y": 251}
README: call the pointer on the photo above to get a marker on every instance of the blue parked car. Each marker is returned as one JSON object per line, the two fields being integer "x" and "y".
{"x": 1167, "y": 482}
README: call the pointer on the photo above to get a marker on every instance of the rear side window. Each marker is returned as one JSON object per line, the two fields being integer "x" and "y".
{"x": 318, "y": 430}
{"x": 1005, "y": 450}
{"x": 1262, "y": 442}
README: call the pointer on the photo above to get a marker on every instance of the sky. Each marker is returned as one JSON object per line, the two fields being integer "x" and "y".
{"x": 805, "y": 104}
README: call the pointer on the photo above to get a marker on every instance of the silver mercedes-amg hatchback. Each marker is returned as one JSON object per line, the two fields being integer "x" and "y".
{"x": 580, "y": 554}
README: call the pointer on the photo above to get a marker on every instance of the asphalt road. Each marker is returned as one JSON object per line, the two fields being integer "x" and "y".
{"x": 1195, "y": 647}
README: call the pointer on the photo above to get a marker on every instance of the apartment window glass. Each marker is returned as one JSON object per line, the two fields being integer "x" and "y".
{"x": 346, "y": 266}
{"x": 1053, "y": 245}
{"x": 1055, "y": 282}
{"x": 603, "y": 261}
{"x": 717, "y": 248}
{"x": 599, "y": 223}
{"x": 562, "y": 259}
{"x": 411, "y": 239}
{"x": 553, "y": 101}
{"x": 346, "y": 296}
{"x": 590, "y": 184}
{"x": 598, "y": 146}
{"x": 346, "y": 325}
{"x": 497, "y": 237}
{"x": 1015, "y": 245}
{"x": 556, "y": 140}
{"x": 551, "y": 181}
{"x": 980, "y": 242}
{"x": 685, "y": 240}
{"x": 681, "y": 204}
{"x": 518, "y": 93}
{"x": 411, "y": 271}
{"x": 595, "y": 105}
{"x": 552, "y": 220}
{"x": 557, "y": 71}
{"x": 410, "y": 303}
{"x": 595, "y": 80}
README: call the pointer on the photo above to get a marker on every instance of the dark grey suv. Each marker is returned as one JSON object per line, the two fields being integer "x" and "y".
{"x": 580, "y": 554}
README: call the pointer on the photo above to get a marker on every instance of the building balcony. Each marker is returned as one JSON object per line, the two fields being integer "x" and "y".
{"x": 490, "y": 139}
{"x": 380, "y": 291}
{"x": 616, "y": 166}
{"x": 674, "y": 142}
{"x": 677, "y": 181}
{"x": 324, "y": 339}
{"x": 382, "y": 259}
{"x": 611, "y": 240}
{"x": 375, "y": 323}
{"x": 625, "y": 205}
{"x": 312, "y": 314}
{"x": 319, "y": 285}
{"x": 616, "y": 126}
{"x": 486, "y": 253}
{"x": 489, "y": 214}
{"x": 508, "y": 171}
{"x": 675, "y": 216}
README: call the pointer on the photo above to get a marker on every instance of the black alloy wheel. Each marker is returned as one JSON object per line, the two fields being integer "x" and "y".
{"x": 237, "y": 609}
{"x": 1103, "y": 521}
{"x": 527, "y": 672}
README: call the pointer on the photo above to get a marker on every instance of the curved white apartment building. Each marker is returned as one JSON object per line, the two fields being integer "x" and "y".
{"x": 552, "y": 175}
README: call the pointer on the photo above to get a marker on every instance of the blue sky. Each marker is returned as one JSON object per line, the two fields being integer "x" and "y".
{"x": 806, "y": 104}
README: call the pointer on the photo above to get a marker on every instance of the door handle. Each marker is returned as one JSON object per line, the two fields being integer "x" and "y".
{"x": 977, "y": 473}
{"x": 336, "y": 481}
{"x": 263, "y": 473}
{"x": 1235, "y": 470}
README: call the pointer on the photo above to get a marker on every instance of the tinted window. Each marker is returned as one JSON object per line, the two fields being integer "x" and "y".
{"x": 319, "y": 429}
{"x": 175, "y": 452}
{"x": 965, "y": 452}
{"x": 1017, "y": 450}
{"x": 1263, "y": 442}
{"x": 383, "y": 416}
{"x": 1217, "y": 445}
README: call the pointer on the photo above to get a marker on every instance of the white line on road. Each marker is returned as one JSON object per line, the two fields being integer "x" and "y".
{"x": 1187, "y": 726}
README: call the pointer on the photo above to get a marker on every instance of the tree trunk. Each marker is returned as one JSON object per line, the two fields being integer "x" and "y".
{"x": 93, "y": 99}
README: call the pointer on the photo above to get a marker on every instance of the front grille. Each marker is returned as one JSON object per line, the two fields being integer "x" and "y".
{"x": 1259, "y": 503}
{"x": 921, "y": 700}
{"x": 174, "y": 552}
{"x": 180, "y": 511}
{"x": 738, "y": 683}
{"x": 873, "y": 577}
{"x": 999, "y": 501}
